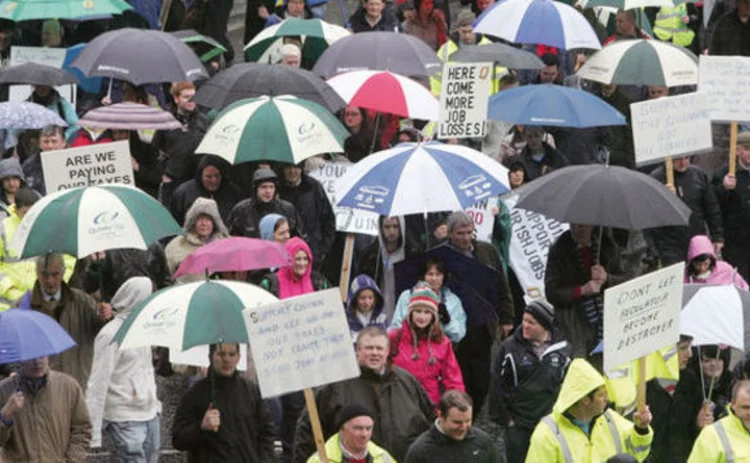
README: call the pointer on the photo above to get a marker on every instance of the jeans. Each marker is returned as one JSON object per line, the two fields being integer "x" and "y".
{"x": 135, "y": 441}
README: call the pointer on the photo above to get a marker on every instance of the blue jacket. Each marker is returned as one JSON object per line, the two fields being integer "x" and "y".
{"x": 360, "y": 283}
{"x": 455, "y": 329}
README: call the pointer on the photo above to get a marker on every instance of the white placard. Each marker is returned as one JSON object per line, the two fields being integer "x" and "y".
{"x": 88, "y": 165}
{"x": 54, "y": 57}
{"x": 463, "y": 100}
{"x": 642, "y": 315}
{"x": 532, "y": 236}
{"x": 670, "y": 126}
{"x": 725, "y": 81}
{"x": 484, "y": 219}
{"x": 300, "y": 343}
{"x": 348, "y": 220}
{"x": 198, "y": 356}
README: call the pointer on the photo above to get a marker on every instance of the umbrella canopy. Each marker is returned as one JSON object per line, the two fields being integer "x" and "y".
{"x": 129, "y": 116}
{"x": 642, "y": 62}
{"x": 192, "y": 314}
{"x": 629, "y": 4}
{"x": 500, "y": 53}
{"x": 414, "y": 178}
{"x": 609, "y": 196}
{"x": 190, "y": 36}
{"x": 36, "y": 74}
{"x": 386, "y": 92}
{"x": 27, "y": 115}
{"x": 234, "y": 254}
{"x": 546, "y": 22}
{"x": 552, "y": 105}
{"x": 26, "y": 334}
{"x": 316, "y": 36}
{"x": 27, "y": 10}
{"x": 379, "y": 51}
{"x": 715, "y": 315}
{"x": 140, "y": 57}
{"x": 84, "y": 220}
{"x": 280, "y": 129}
{"x": 250, "y": 80}
{"x": 89, "y": 84}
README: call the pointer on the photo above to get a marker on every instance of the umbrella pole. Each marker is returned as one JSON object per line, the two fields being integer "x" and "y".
{"x": 700, "y": 369}
{"x": 599, "y": 246}
{"x": 375, "y": 132}
{"x": 109, "y": 88}
{"x": 713, "y": 380}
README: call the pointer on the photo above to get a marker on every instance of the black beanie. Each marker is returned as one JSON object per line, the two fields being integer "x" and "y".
{"x": 543, "y": 312}
{"x": 353, "y": 411}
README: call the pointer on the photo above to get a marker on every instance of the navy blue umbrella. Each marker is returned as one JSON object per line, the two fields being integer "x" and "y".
{"x": 26, "y": 334}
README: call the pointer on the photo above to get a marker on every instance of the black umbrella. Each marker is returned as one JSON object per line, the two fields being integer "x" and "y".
{"x": 500, "y": 53}
{"x": 249, "y": 80}
{"x": 379, "y": 51}
{"x": 140, "y": 57}
{"x": 36, "y": 74}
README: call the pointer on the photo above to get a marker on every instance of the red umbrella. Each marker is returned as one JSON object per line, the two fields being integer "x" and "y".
{"x": 129, "y": 116}
{"x": 235, "y": 254}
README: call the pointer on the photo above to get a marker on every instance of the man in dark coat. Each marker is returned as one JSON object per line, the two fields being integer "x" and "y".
{"x": 622, "y": 152}
{"x": 373, "y": 15}
{"x": 403, "y": 409}
{"x": 731, "y": 34}
{"x": 538, "y": 157}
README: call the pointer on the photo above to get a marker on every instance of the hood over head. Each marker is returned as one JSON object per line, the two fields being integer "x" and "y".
{"x": 267, "y": 225}
{"x": 212, "y": 160}
{"x": 581, "y": 379}
{"x": 205, "y": 206}
{"x": 11, "y": 167}
{"x": 360, "y": 283}
{"x": 700, "y": 245}
{"x": 134, "y": 291}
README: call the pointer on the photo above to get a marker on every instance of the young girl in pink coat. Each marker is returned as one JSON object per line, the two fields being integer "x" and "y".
{"x": 421, "y": 348}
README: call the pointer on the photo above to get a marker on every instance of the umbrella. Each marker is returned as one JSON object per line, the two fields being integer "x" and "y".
{"x": 27, "y": 10}
{"x": 715, "y": 314}
{"x": 552, "y": 105}
{"x": 140, "y": 57}
{"x": 282, "y": 129}
{"x": 89, "y": 84}
{"x": 609, "y": 196}
{"x": 192, "y": 314}
{"x": 36, "y": 74}
{"x": 27, "y": 334}
{"x": 629, "y": 4}
{"x": 190, "y": 36}
{"x": 500, "y": 53}
{"x": 379, "y": 51}
{"x": 545, "y": 22}
{"x": 474, "y": 283}
{"x": 317, "y": 35}
{"x": 27, "y": 115}
{"x": 234, "y": 254}
{"x": 250, "y": 80}
{"x": 129, "y": 116}
{"x": 84, "y": 220}
{"x": 642, "y": 62}
{"x": 414, "y": 178}
{"x": 386, "y": 92}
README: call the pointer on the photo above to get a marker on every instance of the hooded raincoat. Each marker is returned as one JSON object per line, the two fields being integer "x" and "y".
{"x": 721, "y": 273}
{"x": 284, "y": 284}
{"x": 358, "y": 321}
{"x": 725, "y": 440}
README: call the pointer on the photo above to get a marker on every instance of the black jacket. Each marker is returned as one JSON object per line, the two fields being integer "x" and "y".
{"x": 226, "y": 196}
{"x": 311, "y": 201}
{"x": 148, "y": 177}
{"x": 524, "y": 387}
{"x": 553, "y": 159}
{"x": 731, "y": 36}
{"x": 735, "y": 212}
{"x": 434, "y": 446}
{"x": 244, "y": 218}
{"x": 388, "y": 22}
{"x": 246, "y": 433}
{"x": 178, "y": 146}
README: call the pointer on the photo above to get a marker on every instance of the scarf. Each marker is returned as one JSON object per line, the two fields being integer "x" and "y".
{"x": 592, "y": 307}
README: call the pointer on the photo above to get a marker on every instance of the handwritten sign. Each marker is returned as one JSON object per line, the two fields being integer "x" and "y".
{"x": 54, "y": 57}
{"x": 88, "y": 165}
{"x": 463, "y": 100}
{"x": 725, "y": 82}
{"x": 642, "y": 315}
{"x": 301, "y": 342}
{"x": 670, "y": 126}
{"x": 348, "y": 220}
{"x": 532, "y": 236}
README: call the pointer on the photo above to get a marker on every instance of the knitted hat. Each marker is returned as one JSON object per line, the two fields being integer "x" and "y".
{"x": 543, "y": 312}
{"x": 423, "y": 296}
{"x": 353, "y": 411}
{"x": 290, "y": 49}
{"x": 465, "y": 18}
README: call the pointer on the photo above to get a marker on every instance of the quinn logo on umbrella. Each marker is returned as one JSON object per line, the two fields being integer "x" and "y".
{"x": 369, "y": 196}
{"x": 475, "y": 187}
{"x": 307, "y": 131}
{"x": 227, "y": 134}
{"x": 105, "y": 217}
{"x": 162, "y": 319}
{"x": 106, "y": 223}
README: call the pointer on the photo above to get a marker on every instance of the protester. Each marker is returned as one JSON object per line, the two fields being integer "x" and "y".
{"x": 289, "y": 9}
{"x": 52, "y": 138}
{"x": 364, "y": 306}
{"x": 51, "y": 99}
{"x": 729, "y": 438}
{"x": 274, "y": 227}
{"x": 538, "y": 157}
{"x": 43, "y": 416}
{"x": 360, "y": 143}
{"x": 372, "y": 15}
{"x": 18, "y": 276}
{"x": 626, "y": 27}
{"x": 703, "y": 267}
{"x": 291, "y": 55}
{"x": 12, "y": 178}
{"x": 147, "y": 171}
{"x": 428, "y": 24}
{"x": 711, "y": 365}
{"x": 731, "y": 34}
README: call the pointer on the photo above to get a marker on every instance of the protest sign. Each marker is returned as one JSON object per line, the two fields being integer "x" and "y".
{"x": 88, "y": 165}
{"x": 198, "y": 356}
{"x": 54, "y": 57}
{"x": 642, "y": 315}
{"x": 670, "y": 126}
{"x": 532, "y": 236}
{"x": 725, "y": 83}
{"x": 348, "y": 220}
{"x": 484, "y": 219}
{"x": 463, "y": 100}
{"x": 301, "y": 343}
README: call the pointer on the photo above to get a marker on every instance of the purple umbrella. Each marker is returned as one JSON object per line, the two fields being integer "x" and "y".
{"x": 129, "y": 116}
{"x": 27, "y": 115}
{"x": 26, "y": 334}
{"x": 235, "y": 254}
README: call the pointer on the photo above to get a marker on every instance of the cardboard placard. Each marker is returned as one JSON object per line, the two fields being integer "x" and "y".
{"x": 725, "y": 82}
{"x": 463, "y": 100}
{"x": 88, "y": 165}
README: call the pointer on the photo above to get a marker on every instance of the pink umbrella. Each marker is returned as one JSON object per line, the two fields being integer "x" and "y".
{"x": 129, "y": 116}
{"x": 234, "y": 254}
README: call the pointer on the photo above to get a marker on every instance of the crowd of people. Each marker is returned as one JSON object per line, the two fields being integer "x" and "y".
{"x": 436, "y": 383}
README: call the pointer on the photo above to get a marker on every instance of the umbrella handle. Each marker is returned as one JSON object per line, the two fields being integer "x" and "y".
{"x": 375, "y": 132}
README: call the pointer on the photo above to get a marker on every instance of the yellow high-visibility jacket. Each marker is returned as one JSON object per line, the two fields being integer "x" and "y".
{"x": 724, "y": 441}
{"x": 669, "y": 27}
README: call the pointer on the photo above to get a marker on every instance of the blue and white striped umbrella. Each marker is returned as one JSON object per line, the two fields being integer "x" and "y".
{"x": 545, "y": 22}
{"x": 414, "y": 178}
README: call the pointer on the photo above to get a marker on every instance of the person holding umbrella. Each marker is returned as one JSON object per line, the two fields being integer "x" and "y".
{"x": 51, "y": 99}
{"x": 729, "y": 438}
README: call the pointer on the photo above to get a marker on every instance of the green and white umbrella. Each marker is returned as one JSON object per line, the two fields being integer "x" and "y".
{"x": 27, "y": 10}
{"x": 642, "y": 62}
{"x": 282, "y": 129}
{"x": 84, "y": 220}
{"x": 192, "y": 314}
{"x": 316, "y": 36}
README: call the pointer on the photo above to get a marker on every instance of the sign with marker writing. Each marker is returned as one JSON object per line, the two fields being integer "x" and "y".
{"x": 670, "y": 126}
{"x": 484, "y": 219}
{"x": 463, "y": 100}
{"x": 725, "y": 82}
{"x": 54, "y": 57}
{"x": 642, "y": 315}
{"x": 88, "y": 165}
{"x": 301, "y": 342}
